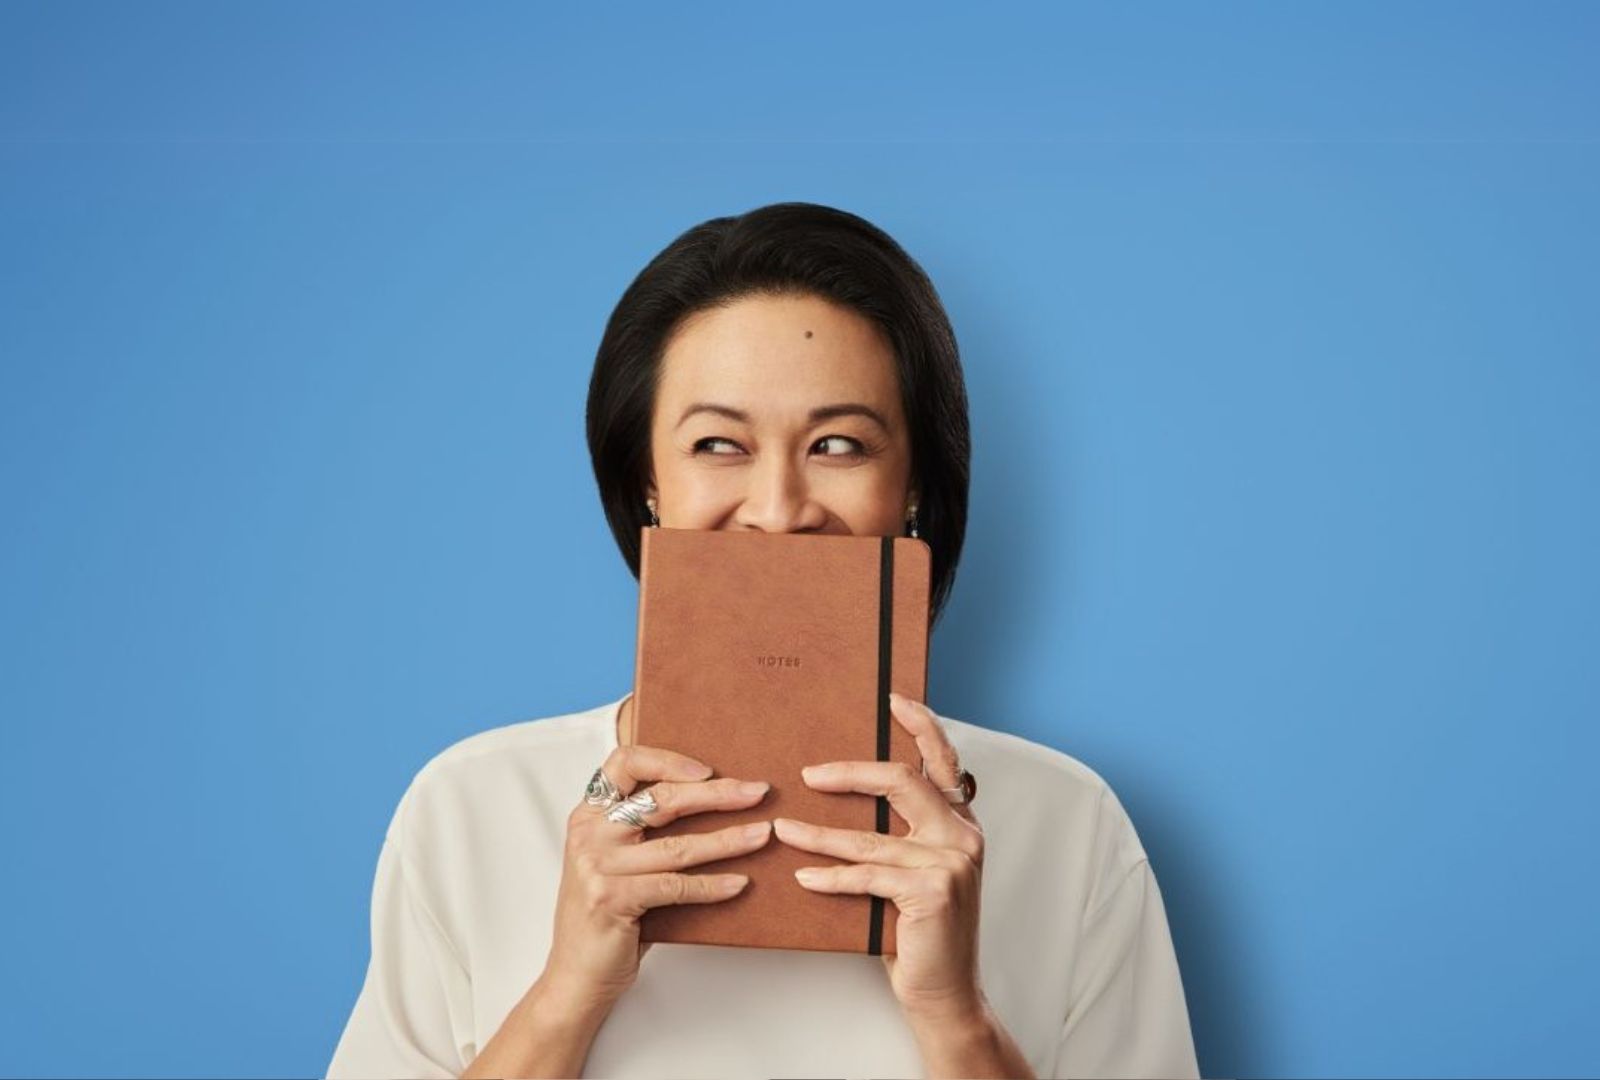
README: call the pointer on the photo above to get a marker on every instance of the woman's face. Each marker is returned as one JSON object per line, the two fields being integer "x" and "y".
{"x": 760, "y": 456}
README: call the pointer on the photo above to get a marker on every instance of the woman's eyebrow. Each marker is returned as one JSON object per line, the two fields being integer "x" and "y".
{"x": 816, "y": 416}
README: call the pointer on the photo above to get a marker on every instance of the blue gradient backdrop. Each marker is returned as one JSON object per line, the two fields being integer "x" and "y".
{"x": 1282, "y": 342}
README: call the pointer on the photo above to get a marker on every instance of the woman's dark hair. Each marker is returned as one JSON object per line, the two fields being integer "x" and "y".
{"x": 786, "y": 249}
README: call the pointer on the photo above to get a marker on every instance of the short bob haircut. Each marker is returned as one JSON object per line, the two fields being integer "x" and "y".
{"x": 786, "y": 248}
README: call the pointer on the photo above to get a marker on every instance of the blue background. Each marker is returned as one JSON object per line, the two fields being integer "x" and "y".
{"x": 1281, "y": 337}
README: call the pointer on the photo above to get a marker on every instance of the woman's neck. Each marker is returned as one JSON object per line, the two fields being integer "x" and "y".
{"x": 625, "y": 722}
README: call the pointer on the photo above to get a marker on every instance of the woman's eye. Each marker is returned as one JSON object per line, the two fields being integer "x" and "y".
{"x": 854, "y": 447}
{"x": 702, "y": 442}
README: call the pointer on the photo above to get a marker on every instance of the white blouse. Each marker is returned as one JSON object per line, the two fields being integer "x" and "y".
{"x": 1074, "y": 952}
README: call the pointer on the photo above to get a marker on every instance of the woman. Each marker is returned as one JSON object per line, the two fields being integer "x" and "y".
{"x": 787, "y": 369}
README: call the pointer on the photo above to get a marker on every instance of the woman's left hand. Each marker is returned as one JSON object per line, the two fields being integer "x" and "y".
{"x": 933, "y": 873}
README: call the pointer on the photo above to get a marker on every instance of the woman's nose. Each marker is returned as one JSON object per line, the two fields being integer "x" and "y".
{"x": 779, "y": 499}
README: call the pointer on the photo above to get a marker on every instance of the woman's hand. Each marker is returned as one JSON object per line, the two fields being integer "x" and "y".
{"x": 933, "y": 873}
{"x": 610, "y": 877}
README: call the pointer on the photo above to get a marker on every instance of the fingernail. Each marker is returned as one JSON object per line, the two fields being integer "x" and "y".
{"x": 807, "y": 874}
{"x": 753, "y": 832}
{"x": 753, "y": 787}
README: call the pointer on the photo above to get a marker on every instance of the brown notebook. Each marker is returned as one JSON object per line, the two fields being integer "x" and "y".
{"x": 760, "y": 653}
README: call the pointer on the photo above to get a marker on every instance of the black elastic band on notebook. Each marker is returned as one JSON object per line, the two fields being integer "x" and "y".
{"x": 885, "y": 652}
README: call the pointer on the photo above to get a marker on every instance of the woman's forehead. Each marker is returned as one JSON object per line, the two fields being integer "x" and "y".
{"x": 779, "y": 354}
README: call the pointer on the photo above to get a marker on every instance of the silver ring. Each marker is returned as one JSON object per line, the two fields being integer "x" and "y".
{"x": 601, "y": 791}
{"x": 631, "y": 811}
{"x": 963, "y": 793}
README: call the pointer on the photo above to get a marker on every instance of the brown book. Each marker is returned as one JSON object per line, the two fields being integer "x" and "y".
{"x": 760, "y": 653}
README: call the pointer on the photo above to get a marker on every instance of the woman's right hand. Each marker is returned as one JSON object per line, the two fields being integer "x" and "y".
{"x": 610, "y": 875}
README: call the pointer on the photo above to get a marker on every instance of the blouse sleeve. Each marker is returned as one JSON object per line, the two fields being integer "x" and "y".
{"x": 412, "y": 1017}
{"x": 1127, "y": 1017}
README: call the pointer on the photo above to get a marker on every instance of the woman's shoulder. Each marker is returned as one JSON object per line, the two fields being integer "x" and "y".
{"x": 555, "y": 735}
{"x": 1017, "y": 759}
{"x": 502, "y": 769}
{"x": 1024, "y": 782}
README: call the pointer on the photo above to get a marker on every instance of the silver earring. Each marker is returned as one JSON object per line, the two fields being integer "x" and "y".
{"x": 913, "y": 520}
{"x": 655, "y": 522}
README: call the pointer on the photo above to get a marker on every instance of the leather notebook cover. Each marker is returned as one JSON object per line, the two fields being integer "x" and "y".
{"x": 760, "y": 653}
